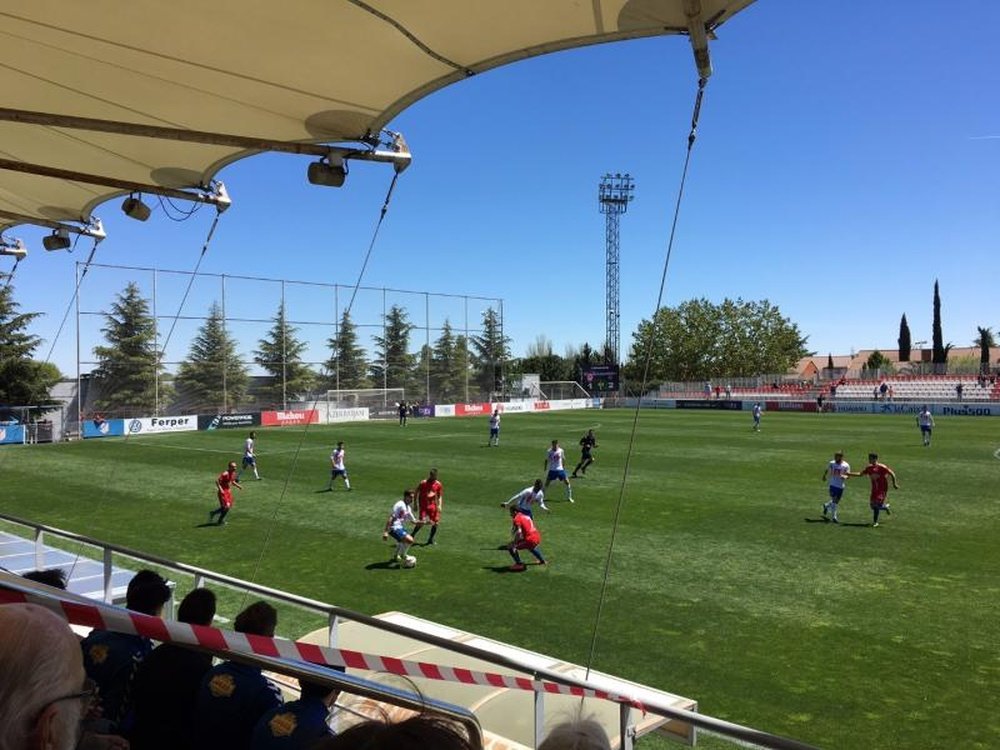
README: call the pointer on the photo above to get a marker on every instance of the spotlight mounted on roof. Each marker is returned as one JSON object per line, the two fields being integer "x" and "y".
{"x": 134, "y": 208}
{"x": 329, "y": 171}
{"x": 58, "y": 240}
{"x": 14, "y": 248}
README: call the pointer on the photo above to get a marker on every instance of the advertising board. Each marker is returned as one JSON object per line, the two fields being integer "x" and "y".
{"x": 158, "y": 425}
{"x": 285, "y": 418}
{"x": 98, "y": 428}
{"x": 228, "y": 421}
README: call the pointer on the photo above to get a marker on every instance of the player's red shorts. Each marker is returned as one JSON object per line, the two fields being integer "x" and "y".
{"x": 226, "y": 499}
{"x": 526, "y": 543}
{"x": 430, "y": 513}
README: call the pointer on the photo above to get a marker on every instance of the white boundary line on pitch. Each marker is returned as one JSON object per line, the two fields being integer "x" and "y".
{"x": 996, "y": 454}
{"x": 219, "y": 450}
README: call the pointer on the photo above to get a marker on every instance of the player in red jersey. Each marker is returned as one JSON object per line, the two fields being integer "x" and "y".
{"x": 880, "y": 474}
{"x": 430, "y": 501}
{"x": 223, "y": 488}
{"x": 525, "y": 535}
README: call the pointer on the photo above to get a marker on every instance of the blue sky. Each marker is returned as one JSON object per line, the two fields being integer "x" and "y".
{"x": 844, "y": 162}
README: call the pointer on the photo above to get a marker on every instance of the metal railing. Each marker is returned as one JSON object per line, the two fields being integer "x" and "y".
{"x": 335, "y": 615}
{"x": 341, "y": 681}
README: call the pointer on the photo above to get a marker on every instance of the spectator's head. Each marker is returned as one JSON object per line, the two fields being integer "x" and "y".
{"x": 581, "y": 734}
{"x": 54, "y": 577}
{"x": 313, "y": 689}
{"x": 147, "y": 593}
{"x": 197, "y": 608}
{"x": 260, "y": 618}
{"x": 42, "y": 692}
{"x": 415, "y": 733}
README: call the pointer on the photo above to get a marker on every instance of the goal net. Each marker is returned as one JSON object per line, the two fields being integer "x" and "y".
{"x": 372, "y": 398}
{"x": 553, "y": 390}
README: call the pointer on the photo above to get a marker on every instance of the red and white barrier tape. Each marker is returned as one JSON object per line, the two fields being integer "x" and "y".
{"x": 107, "y": 617}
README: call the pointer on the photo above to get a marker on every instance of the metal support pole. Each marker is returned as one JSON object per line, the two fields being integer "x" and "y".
{"x": 539, "y": 728}
{"x": 503, "y": 357}
{"x": 284, "y": 351}
{"x": 625, "y": 731}
{"x": 225, "y": 351}
{"x": 156, "y": 357}
{"x": 333, "y": 624}
{"x": 385, "y": 355}
{"x": 79, "y": 376}
{"x": 468, "y": 349}
{"x": 39, "y": 549}
{"x": 108, "y": 583}
{"x": 336, "y": 329}
{"x": 427, "y": 341}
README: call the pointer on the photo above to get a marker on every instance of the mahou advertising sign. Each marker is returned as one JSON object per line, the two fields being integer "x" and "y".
{"x": 285, "y": 418}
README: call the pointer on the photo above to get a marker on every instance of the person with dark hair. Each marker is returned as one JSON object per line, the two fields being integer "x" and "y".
{"x": 233, "y": 696}
{"x": 416, "y": 733}
{"x": 297, "y": 725}
{"x": 395, "y": 525}
{"x": 111, "y": 659}
{"x": 166, "y": 684}
{"x": 587, "y": 444}
{"x": 524, "y": 535}
{"x": 430, "y": 503}
{"x": 578, "y": 734}
{"x": 880, "y": 474}
{"x": 54, "y": 577}
{"x": 223, "y": 491}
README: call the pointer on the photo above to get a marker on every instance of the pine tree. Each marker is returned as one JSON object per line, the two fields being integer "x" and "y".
{"x": 129, "y": 366}
{"x": 212, "y": 376}
{"x": 280, "y": 354}
{"x": 449, "y": 366}
{"x": 904, "y": 340}
{"x": 393, "y": 364}
{"x": 347, "y": 365}
{"x": 23, "y": 381}
{"x": 491, "y": 352}
{"x": 984, "y": 340}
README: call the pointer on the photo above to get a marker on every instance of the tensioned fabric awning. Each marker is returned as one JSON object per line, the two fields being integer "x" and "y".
{"x": 304, "y": 71}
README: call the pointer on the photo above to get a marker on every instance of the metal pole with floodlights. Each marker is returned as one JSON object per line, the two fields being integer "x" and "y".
{"x": 614, "y": 194}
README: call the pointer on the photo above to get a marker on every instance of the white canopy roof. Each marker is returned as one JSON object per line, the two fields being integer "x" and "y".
{"x": 306, "y": 71}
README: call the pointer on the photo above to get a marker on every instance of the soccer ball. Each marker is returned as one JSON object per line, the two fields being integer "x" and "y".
{"x": 410, "y": 562}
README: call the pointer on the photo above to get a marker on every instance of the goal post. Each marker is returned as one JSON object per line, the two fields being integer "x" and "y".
{"x": 555, "y": 390}
{"x": 372, "y": 398}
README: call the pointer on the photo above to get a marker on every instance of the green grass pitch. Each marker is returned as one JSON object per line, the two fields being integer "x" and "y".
{"x": 724, "y": 584}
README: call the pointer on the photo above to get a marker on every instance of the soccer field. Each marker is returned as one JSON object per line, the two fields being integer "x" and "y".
{"x": 725, "y": 585}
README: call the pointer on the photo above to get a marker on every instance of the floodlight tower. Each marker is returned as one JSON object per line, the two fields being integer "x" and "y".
{"x": 614, "y": 194}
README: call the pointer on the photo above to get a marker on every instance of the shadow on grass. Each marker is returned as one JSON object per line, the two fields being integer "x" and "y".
{"x": 386, "y": 565}
{"x": 501, "y": 569}
{"x": 208, "y": 525}
{"x": 320, "y": 492}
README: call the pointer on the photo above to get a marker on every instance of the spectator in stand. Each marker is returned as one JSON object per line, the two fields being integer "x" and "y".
{"x": 166, "y": 684}
{"x": 883, "y": 390}
{"x": 708, "y": 389}
{"x": 958, "y": 391}
{"x": 298, "y": 725}
{"x": 729, "y": 392}
{"x": 581, "y": 734}
{"x": 892, "y": 393}
{"x": 819, "y": 403}
{"x": 875, "y": 394}
{"x": 833, "y": 391}
{"x": 44, "y": 691}
{"x": 111, "y": 659}
{"x": 718, "y": 392}
{"x": 416, "y": 733}
{"x": 233, "y": 696}
{"x": 54, "y": 577}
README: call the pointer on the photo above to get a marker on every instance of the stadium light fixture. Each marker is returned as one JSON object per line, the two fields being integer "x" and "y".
{"x": 14, "y": 248}
{"x": 134, "y": 208}
{"x": 329, "y": 171}
{"x": 58, "y": 240}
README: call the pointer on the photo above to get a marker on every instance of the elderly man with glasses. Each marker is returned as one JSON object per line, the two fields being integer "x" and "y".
{"x": 44, "y": 692}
